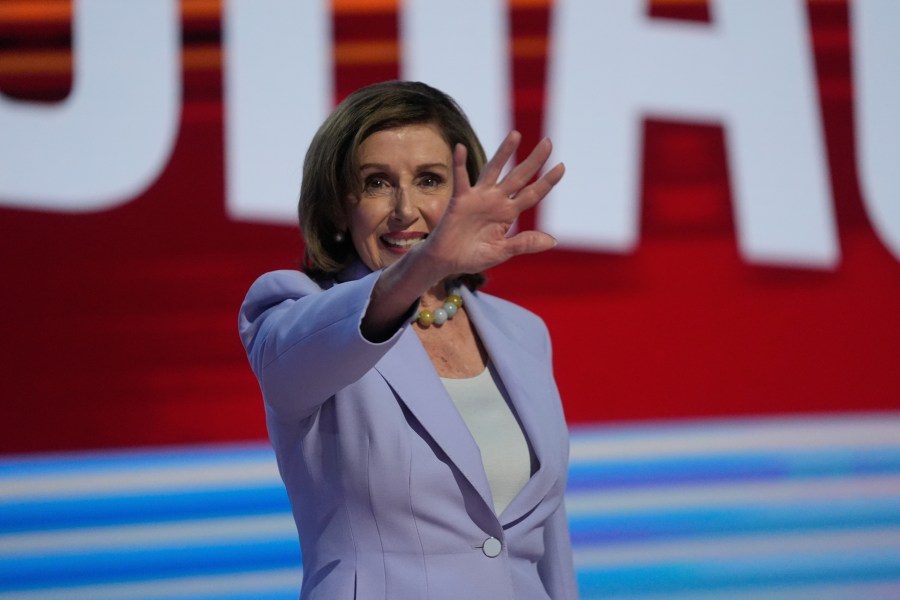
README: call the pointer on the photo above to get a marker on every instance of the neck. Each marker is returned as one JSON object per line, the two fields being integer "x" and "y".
{"x": 438, "y": 293}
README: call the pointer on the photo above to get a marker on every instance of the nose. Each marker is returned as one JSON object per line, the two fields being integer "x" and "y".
{"x": 404, "y": 211}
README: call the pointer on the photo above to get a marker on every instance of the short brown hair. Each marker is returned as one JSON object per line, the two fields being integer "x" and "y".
{"x": 329, "y": 170}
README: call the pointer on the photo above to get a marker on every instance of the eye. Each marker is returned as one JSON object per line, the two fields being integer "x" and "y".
{"x": 430, "y": 180}
{"x": 375, "y": 183}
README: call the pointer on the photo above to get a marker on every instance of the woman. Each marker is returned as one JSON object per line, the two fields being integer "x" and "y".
{"x": 426, "y": 458}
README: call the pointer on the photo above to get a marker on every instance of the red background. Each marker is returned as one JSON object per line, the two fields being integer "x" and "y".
{"x": 120, "y": 326}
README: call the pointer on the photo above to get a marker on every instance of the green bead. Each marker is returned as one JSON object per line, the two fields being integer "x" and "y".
{"x": 455, "y": 299}
{"x": 426, "y": 318}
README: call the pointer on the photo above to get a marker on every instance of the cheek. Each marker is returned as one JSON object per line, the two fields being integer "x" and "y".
{"x": 366, "y": 217}
{"x": 436, "y": 209}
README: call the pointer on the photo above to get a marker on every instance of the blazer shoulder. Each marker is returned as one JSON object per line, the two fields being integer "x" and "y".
{"x": 516, "y": 321}
{"x": 269, "y": 290}
{"x": 280, "y": 285}
{"x": 510, "y": 310}
{"x": 285, "y": 277}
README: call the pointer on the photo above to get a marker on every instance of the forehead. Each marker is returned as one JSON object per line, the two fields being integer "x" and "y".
{"x": 409, "y": 143}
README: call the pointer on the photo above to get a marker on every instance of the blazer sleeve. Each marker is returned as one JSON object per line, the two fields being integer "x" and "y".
{"x": 556, "y": 568}
{"x": 304, "y": 343}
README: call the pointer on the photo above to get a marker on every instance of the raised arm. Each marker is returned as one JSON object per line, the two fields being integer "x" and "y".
{"x": 305, "y": 344}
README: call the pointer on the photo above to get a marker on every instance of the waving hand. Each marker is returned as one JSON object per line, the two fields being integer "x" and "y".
{"x": 473, "y": 233}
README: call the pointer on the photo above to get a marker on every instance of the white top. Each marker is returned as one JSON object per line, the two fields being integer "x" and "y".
{"x": 481, "y": 400}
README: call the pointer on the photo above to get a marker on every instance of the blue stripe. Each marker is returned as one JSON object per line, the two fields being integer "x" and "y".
{"x": 285, "y": 594}
{"x": 46, "y": 465}
{"x": 653, "y": 432}
{"x": 740, "y": 574}
{"x": 16, "y": 517}
{"x": 601, "y": 529}
{"x": 133, "y": 564}
{"x": 745, "y": 467}
{"x": 710, "y": 522}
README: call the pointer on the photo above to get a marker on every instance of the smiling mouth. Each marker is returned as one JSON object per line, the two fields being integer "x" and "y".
{"x": 403, "y": 243}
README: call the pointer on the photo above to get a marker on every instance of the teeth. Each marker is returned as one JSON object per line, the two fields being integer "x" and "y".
{"x": 405, "y": 243}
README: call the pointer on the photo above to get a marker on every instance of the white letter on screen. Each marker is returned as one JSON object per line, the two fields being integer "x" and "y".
{"x": 112, "y": 136}
{"x": 462, "y": 48}
{"x": 876, "y": 80}
{"x": 750, "y": 69}
{"x": 278, "y": 89}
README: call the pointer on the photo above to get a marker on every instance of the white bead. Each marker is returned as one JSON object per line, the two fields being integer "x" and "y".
{"x": 451, "y": 310}
{"x": 440, "y": 316}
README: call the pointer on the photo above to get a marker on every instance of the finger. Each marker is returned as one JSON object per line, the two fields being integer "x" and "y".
{"x": 491, "y": 171}
{"x": 530, "y": 242}
{"x": 460, "y": 174}
{"x": 538, "y": 190}
{"x": 519, "y": 176}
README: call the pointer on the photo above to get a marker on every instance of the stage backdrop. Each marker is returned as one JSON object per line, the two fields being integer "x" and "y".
{"x": 727, "y": 244}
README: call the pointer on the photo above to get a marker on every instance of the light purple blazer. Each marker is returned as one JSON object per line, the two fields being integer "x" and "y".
{"x": 386, "y": 483}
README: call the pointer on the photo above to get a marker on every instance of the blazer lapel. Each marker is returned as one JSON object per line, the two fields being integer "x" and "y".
{"x": 524, "y": 378}
{"x": 409, "y": 371}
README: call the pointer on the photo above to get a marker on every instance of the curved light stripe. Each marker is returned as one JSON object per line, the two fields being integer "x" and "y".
{"x": 727, "y": 576}
{"x": 254, "y": 585}
{"x": 124, "y": 480}
{"x": 723, "y": 522}
{"x": 132, "y": 459}
{"x": 166, "y": 506}
{"x": 886, "y": 590}
{"x": 734, "y": 467}
{"x": 92, "y": 568}
{"x": 739, "y": 494}
{"x": 735, "y": 436}
{"x": 746, "y": 547}
{"x": 130, "y": 482}
{"x": 144, "y": 536}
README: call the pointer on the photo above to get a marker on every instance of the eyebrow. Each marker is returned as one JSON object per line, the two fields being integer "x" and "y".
{"x": 381, "y": 167}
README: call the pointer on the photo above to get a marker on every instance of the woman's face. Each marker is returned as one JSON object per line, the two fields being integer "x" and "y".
{"x": 406, "y": 180}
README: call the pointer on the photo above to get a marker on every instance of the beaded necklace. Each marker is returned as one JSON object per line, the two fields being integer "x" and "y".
{"x": 452, "y": 303}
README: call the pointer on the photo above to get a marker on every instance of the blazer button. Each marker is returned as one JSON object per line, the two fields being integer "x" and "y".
{"x": 491, "y": 547}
